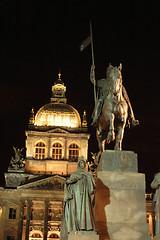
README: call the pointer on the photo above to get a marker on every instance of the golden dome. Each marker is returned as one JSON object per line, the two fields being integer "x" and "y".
{"x": 58, "y": 114}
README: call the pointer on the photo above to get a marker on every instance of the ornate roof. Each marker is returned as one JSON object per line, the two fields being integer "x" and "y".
{"x": 57, "y": 112}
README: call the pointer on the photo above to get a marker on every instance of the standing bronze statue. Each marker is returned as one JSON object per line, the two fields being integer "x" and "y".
{"x": 78, "y": 198}
{"x": 112, "y": 108}
{"x": 156, "y": 201}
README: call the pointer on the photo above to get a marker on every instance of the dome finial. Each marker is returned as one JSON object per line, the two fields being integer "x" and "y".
{"x": 59, "y": 75}
{"x": 32, "y": 119}
{"x": 84, "y": 122}
{"x": 58, "y": 90}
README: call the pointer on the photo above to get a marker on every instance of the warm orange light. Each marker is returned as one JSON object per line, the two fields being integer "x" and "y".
{"x": 54, "y": 119}
{"x": 0, "y": 212}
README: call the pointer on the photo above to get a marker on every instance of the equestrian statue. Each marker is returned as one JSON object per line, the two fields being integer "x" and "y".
{"x": 113, "y": 108}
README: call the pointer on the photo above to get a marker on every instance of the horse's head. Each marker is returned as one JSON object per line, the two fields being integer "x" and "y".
{"x": 115, "y": 77}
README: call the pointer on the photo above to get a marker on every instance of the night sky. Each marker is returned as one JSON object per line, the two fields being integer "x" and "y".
{"x": 39, "y": 38}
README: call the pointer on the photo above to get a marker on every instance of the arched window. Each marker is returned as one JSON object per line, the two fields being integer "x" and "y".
{"x": 57, "y": 151}
{"x": 53, "y": 235}
{"x": 36, "y": 236}
{"x": 40, "y": 150}
{"x": 73, "y": 152}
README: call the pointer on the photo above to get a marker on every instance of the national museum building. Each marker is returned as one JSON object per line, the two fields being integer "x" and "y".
{"x": 32, "y": 201}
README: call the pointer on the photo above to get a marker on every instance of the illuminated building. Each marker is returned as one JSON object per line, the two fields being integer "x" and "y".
{"x": 31, "y": 203}
{"x": 55, "y": 133}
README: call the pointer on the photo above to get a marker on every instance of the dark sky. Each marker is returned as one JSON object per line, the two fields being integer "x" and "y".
{"x": 39, "y": 38}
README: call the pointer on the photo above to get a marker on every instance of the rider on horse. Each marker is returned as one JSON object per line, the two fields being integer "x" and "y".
{"x": 103, "y": 86}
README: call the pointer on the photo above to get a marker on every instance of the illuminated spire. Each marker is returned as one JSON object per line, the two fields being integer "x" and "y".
{"x": 58, "y": 91}
{"x": 32, "y": 119}
{"x": 59, "y": 75}
{"x": 84, "y": 122}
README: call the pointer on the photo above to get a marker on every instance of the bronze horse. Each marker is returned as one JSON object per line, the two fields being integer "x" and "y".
{"x": 114, "y": 114}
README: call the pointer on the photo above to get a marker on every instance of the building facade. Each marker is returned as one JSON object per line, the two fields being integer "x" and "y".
{"x": 32, "y": 201}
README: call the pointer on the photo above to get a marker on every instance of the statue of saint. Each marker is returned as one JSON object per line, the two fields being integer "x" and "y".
{"x": 78, "y": 202}
{"x": 103, "y": 86}
{"x": 156, "y": 200}
{"x": 113, "y": 109}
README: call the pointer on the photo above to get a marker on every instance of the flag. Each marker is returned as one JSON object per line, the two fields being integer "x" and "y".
{"x": 85, "y": 43}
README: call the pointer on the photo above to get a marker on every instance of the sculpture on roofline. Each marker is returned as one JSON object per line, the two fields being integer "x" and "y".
{"x": 113, "y": 109}
{"x": 93, "y": 163}
{"x": 17, "y": 163}
{"x": 78, "y": 202}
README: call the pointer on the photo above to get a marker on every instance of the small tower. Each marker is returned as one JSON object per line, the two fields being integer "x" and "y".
{"x": 84, "y": 122}
{"x": 31, "y": 119}
{"x": 58, "y": 91}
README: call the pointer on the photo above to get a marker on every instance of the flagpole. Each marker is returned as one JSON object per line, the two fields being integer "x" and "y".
{"x": 95, "y": 97}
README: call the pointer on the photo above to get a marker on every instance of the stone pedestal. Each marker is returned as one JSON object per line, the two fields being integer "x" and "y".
{"x": 85, "y": 235}
{"x": 120, "y": 206}
{"x": 118, "y": 161}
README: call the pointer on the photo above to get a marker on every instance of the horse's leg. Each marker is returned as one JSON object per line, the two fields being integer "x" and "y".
{"x": 123, "y": 110}
{"x": 111, "y": 133}
{"x": 101, "y": 140}
{"x": 119, "y": 137}
{"x": 103, "y": 145}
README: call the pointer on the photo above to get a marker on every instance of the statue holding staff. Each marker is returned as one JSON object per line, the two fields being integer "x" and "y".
{"x": 113, "y": 108}
{"x": 103, "y": 86}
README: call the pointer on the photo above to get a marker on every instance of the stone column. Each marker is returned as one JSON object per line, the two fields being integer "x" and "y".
{"x": 49, "y": 148}
{"x": 46, "y": 220}
{"x": 2, "y": 220}
{"x": 151, "y": 225}
{"x": 120, "y": 205}
{"x": 65, "y": 149}
{"x": 28, "y": 217}
{"x": 20, "y": 224}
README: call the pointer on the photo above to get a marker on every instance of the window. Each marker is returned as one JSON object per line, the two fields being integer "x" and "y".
{"x": 10, "y": 238}
{"x": 55, "y": 211}
{"x": 37, "y": 210}
{"x": 36, "y": 235}
{"x": 40, "y": 151}
{"x": 53, "y": 235}
{"x": 12, "y": 213}
{"x": 57, "y": 151}
{"x": 73, "y": 152}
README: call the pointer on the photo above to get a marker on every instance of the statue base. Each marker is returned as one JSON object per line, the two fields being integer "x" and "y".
{"x": 120, "y": 206}
{"x": 118, "y": 161}
{"x": 83, "y": 235}
{"x": 157, "y": 237}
